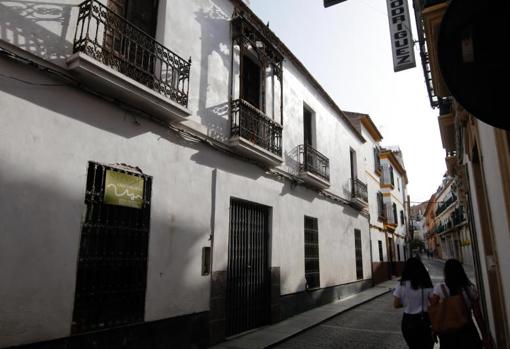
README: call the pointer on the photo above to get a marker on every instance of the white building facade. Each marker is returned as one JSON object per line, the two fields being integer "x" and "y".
{"x": 173, "y": 174}
{"x": 388, "y": 234}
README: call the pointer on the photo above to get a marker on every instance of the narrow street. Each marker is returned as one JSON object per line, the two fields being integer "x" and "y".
{"x": 375, "y": 324}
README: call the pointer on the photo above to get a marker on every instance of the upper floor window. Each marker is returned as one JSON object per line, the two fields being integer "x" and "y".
{"x": 354, "y": 166}
{"x": 258, "y": 77}
{"x": 401, "y": 217}
{"x": 398, "y": 183}
{"x": 308, "y": 127}
{"x": 395, "y": 217}
{"x": 377, "y": 160}
{"x": 250, "y": 82}
{"x": 380, "y": 205}
{"x": 392, "y": 176}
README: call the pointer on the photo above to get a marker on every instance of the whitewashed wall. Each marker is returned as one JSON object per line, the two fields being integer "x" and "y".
{"x": 49, "y": 133}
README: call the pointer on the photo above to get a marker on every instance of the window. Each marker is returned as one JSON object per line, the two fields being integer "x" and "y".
{"x": 251, "y": 82}
{"x": 392, "y": 176}
{"x": 398, "y": 183}
{"x": 312, "y": 270}
{"x": 359, "y": 256}
{"x": 395, "y": 217}
{"x": 354, "y": 169}
{"x": 308, "y": 136}
{"x": 380, "y": 205}
{"x": 398, "y": 252}
{"x": 380, "y": 251}
{"x": 143, "y": 15}
{"x": 402, "y": 217}
{"x": 112, "y": 265}
{"x": 377, "y": 160}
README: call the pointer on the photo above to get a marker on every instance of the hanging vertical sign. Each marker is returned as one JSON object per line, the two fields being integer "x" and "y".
{"x": 401, "y": 35}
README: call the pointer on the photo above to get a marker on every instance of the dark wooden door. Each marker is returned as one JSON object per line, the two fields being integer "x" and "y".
{"x": 248, "y": 277}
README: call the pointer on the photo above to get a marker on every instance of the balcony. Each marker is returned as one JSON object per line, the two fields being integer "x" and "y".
{"x": 313, "y": 166}
{"x": 432, "y": 15}
{"x": 389, "y": 216}
{"x": 359, "y": 193}
{"x": 442, "y": 206}
{"x": 254, "y": 134}
{"x": 116, "y": 58}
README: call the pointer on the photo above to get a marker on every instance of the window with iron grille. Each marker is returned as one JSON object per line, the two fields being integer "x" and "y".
{"x": 312, "y": 269}
{"x": 359, "y": 255}
{"x": 380, "y": 251}
{"x": 395, "y": 216}
{"x": 112, "y": 265}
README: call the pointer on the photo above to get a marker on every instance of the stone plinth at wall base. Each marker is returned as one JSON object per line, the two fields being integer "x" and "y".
{"x": 292, "y": 304}
{"x": 188, "y": 331}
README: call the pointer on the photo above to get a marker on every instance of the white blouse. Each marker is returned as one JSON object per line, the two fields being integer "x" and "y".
{"x": 413, "y": 300}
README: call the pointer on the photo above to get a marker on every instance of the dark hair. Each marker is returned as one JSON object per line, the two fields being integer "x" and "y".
{"x": 455, "y": 276}
{"x": 415, "y": 272}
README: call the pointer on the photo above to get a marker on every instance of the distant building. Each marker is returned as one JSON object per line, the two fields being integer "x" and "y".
{"x": 417, "y": 221}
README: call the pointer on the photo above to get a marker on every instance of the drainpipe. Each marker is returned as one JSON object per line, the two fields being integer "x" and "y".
{"x": 371, "y": 253}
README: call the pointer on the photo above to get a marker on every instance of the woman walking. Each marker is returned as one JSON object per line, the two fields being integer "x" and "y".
{"x": 456, "y": 282}
{"x": 413, "y": 294}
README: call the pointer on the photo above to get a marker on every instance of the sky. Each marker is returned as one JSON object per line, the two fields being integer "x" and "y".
{"x": 347, "y": 48}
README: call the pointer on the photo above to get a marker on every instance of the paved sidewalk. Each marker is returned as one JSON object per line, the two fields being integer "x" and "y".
{"x": 268, "y": 336}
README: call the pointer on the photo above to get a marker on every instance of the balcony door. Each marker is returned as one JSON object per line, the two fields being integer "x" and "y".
{"x": 354, "y": 164}
{"x": 132, "y": 53}
{"x": 251, "y": 82}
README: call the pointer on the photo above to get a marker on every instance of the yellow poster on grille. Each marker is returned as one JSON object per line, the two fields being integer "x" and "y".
{"x": 123, "y": 190}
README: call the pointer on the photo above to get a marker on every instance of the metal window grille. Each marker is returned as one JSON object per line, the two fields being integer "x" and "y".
{"x": 248, "y": 274}
{"x": 359, "y": 255}
{"x": 312, "y": 269}
{"x": 380, "y": 251}
{"x": 112, "y": 265}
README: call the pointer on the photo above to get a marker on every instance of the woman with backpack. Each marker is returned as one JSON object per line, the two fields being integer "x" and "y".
{"x": 456, "y": 282}
{"x": 413, "y": 294}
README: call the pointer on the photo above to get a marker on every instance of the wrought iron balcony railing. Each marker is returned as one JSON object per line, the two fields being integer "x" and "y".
{"x": 251, "y": 124}
{"x": 445, "y": 204}
{"x": 312, "y": 161}
{"x": 119, "y": 44}
{"x": 359, "y": 190}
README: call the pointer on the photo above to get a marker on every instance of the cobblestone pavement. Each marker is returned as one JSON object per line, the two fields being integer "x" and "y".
{"x": 375, "y": 324}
